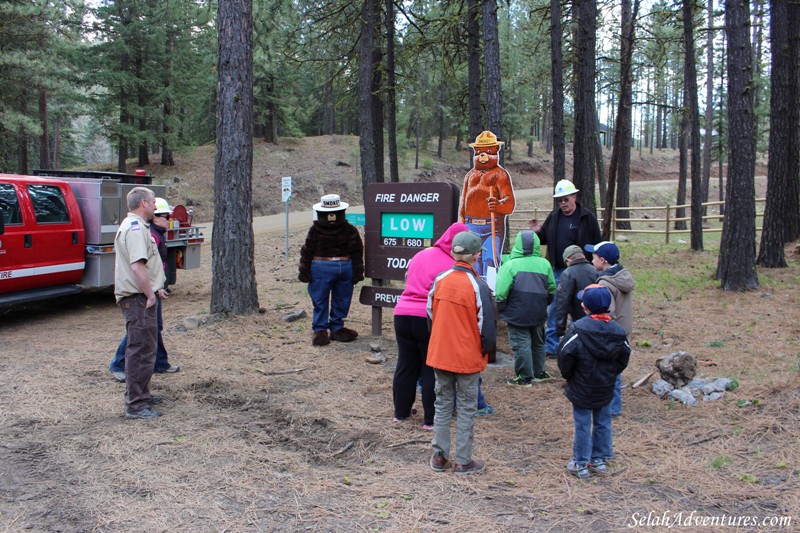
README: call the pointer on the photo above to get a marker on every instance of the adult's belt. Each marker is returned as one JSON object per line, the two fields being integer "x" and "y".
{"x": 478, "y": 221}
{"x": 343, "y": 258}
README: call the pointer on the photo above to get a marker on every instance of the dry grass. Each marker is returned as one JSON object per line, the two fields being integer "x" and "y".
{"x": 240, "y": 449}
{"x": 314, "y": 450}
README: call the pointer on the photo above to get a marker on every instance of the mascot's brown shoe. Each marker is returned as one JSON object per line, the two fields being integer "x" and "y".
{"x": 321, "y": 338}
{"x": 344, "y": 335}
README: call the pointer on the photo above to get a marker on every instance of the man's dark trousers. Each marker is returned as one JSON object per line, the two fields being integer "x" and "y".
{"x": 140, "y": 353}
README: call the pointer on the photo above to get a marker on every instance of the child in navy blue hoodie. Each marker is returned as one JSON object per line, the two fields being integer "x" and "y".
{"x": 592, "y": 353}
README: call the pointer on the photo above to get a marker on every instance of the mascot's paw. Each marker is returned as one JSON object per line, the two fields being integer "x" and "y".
{"x": 320, "y": 338}
{"x": 344, "y": 335}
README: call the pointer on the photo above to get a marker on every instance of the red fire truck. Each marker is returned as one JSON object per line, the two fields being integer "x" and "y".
{"x": 57, "y": 232}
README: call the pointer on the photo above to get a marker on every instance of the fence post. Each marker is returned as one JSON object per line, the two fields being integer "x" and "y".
{"x": 669, "y": 210}
{"x": 613, "y": 216}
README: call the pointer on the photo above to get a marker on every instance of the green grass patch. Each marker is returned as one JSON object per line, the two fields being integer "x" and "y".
{"x": 719, "y": 461}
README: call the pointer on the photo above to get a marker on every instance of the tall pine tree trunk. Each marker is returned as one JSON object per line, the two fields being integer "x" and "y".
{"x": 736, "y": 268}
{"x": 683, "y": 164}
{"x": 368, "y": 124}
{"x": 141, "y": 101}
{"x": 56, "y": 141}
{"x": 585, "y": 111}
{"x": 491, "y": 60}
{"x": 557, "y": 76}
{"x": 474, "y": 70}
{"x": 690, "y": 73}
{"x": 167, "y": 158}
{"x": 709, "y": 118}
{"x": 22, "y": 139}
{"x": 619, "y": 172}
{"x": 783, "y": 125}
{"x": 391, "y": 95}
{"x": 233, "y": 272}
{"x": 44, "y": 138}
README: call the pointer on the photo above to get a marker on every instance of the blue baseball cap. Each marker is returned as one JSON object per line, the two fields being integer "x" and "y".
{"x": 596, "y": 298}
{"x": 606, "y": 249}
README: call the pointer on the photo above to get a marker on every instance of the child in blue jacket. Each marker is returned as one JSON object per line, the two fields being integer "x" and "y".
{"x": 593, "y": 352}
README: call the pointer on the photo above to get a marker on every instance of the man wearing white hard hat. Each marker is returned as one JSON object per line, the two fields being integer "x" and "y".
{"x": 566, "y": 225}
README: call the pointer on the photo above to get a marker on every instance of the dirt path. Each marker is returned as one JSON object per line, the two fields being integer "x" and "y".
{"x": 263, "y": 432}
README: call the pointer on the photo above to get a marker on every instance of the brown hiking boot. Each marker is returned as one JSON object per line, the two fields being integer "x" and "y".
{"x": 344, "y": 335}
{"x": 438, "y": 462}
{"x": 321, "y": 338}
{"x": 475, "y": 466}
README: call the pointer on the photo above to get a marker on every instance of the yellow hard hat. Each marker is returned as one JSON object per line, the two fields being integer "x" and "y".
{"x": 564, "y": 188}
{"x": 485, "y": 140}
{"x": 162, "y": 207}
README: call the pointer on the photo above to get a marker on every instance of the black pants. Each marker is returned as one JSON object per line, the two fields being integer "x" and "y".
{"x": 412, "y": 350}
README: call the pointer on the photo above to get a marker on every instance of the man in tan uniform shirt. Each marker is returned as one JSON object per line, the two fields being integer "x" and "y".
{"x": 138, "y": 277}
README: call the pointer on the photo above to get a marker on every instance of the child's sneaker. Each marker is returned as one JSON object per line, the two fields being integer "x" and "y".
{"x": 520, "y": 381}
{"x": 486, "y": 411}
{"x": 578, "y": 470}
{"x": 542, "y": 376}
{"x": 427, "y": 427}
{"x": 598, "y": 466}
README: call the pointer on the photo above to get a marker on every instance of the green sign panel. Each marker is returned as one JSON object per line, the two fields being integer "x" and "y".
{"x": 356, "y": 219}
{"x": 419, "y": 225}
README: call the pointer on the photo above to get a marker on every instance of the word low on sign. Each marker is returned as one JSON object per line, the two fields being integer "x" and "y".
{"x": 401, "y": 220}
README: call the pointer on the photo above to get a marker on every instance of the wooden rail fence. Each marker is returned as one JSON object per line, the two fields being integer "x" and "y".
{"x": 652, "y": 219}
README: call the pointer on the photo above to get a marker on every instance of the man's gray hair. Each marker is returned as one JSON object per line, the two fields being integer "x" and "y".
{"x": 136, "y": 195}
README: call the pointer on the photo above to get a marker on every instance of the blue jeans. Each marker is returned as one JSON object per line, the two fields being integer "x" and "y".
{"x": 551, "y": 340}
{"x": 162, "y": 363}
{"x": 331, "y": 289}
{"x": 616, "y": 402}
{"x": 592, "y": 434}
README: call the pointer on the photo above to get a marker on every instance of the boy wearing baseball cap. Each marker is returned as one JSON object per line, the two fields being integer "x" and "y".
{"x": 618, "y": 280}
{"x": 576, "y": 277}
{"x": 461, "y": 310}
{"x": 591, "y": 355}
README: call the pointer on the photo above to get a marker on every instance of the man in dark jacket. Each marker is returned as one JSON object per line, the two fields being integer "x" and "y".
{"x": 591, "y": 355}
{"x": 575, "y": 278}
{"x": 568, "y": 224}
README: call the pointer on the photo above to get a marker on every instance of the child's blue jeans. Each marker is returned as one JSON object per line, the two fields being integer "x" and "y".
{"x": 592, "y": 434}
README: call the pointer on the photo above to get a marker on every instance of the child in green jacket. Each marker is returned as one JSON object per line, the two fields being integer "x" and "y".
{"x": 525, "y": 287}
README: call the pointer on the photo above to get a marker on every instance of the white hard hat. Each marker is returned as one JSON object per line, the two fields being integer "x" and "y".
{"x": 162, "y": 207}
{"x": 564, "y": 188}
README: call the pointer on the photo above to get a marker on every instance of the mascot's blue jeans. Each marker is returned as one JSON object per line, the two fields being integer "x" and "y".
{"x": 485, "y": 233}
{"x": 331, "y": 289}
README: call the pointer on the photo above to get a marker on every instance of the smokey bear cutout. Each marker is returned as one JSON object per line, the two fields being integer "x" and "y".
{"x": 487, "y": 199}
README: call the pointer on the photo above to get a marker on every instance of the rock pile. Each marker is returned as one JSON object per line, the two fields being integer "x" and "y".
{"x": 678, "y": 381}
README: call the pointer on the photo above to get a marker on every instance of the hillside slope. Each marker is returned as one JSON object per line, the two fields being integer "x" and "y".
{"x": 329, "y": 164}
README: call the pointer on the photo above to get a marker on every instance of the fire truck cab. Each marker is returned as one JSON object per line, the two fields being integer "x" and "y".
{"x": 57, "y": 233}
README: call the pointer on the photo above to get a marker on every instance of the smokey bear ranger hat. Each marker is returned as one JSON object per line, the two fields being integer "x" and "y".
{"x": 331, "y": 202}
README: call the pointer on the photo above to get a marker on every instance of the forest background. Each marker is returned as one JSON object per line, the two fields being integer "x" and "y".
{"x": 150, "y": 78}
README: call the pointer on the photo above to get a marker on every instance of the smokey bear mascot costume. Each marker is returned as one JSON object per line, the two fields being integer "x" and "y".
{"x": 331, "y": 262}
